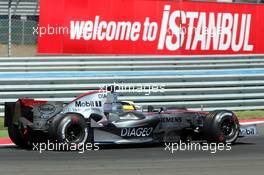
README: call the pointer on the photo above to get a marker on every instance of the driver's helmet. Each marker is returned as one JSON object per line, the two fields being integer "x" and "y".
{"x": 128, "y": 105}
{"x": 119, "y": 107}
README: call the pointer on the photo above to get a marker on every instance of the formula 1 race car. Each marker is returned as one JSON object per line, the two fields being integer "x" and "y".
{"x": 98, "y": 117}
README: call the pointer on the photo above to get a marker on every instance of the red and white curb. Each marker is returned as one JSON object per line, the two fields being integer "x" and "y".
{"x": 8, "y": 141}
{"x": 252, "y": 121}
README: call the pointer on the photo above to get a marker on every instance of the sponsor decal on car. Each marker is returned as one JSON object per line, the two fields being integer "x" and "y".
{"x": 46, "y": 109}
{"x": 102, "y": 95}
{"x": 136, "y": 132}
{"x": 82, "y": 104}
{"x": 250, "y": 130}
{"x": 171, "y": 119}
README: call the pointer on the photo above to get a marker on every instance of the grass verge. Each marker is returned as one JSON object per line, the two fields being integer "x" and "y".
{"x": 2, "y": 123}
{"x": 3, "y": 134}
{"x": 250, "y": 114}
{"x": 3, "y": 131}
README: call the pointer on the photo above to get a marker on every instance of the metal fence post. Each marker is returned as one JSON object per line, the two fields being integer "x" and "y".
{"x": 9, "y": 28}
{"x": 23, "y": 19}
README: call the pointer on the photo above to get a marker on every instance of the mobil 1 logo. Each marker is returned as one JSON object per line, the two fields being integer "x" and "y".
{"x": 85, "y": 104}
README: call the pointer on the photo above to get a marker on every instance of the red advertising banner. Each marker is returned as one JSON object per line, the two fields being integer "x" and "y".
{"x": 154, "y": 27}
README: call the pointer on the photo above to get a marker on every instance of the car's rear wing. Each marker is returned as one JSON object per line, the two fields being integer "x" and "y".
{"x": 21, "y": 108}
{"x": 10, "y": 108}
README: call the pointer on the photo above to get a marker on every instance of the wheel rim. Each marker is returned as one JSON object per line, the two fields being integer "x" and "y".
{"x": 74, "y": 133}
{"x": 228, "y": 127}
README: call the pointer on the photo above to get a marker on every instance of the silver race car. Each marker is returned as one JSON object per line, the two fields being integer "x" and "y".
{"x": 98, "y": 117}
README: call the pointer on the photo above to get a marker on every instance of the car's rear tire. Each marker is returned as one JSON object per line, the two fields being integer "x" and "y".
{"x": 19, "y": 136}
{"x": 221, "y": 126}
{"x": 72, "y": 129}
{"x": 53, "y": 127}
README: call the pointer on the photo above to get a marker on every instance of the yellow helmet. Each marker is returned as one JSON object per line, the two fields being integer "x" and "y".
{"x": 128, "y": 105}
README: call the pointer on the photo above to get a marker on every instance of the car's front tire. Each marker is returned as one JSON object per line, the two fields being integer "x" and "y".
{"x": 221, "y": 126}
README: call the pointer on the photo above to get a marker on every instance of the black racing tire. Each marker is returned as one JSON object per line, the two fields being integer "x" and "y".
{"x": 72, "y": 129}
{"x": 18, "y": 137}
{"x": 221, "y": 126}
{"x": 53, "y": 127}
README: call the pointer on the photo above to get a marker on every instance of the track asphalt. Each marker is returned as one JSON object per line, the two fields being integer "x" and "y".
{"x": 245, "y": 158}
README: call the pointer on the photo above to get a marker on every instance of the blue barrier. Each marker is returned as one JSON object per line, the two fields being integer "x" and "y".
{"x": 127, "y": 73}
